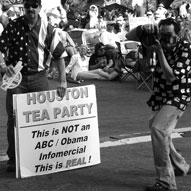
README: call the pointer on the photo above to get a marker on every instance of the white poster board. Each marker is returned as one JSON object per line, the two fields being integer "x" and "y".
{"x": 54, "y": 134}
{"x": 136, "y": 21}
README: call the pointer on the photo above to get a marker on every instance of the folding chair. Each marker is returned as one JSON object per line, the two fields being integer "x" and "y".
{"x": 127, "y": 59}
{"x": 76, "y": 35}
{"x": 145, "y": 70}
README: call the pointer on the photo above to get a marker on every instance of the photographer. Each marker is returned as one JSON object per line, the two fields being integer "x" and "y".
{"x": 171, "y": 95}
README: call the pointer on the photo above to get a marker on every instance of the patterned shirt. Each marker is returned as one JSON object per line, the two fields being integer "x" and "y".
{"x": 176, "y": 93}
{"x": 34, "y": 47}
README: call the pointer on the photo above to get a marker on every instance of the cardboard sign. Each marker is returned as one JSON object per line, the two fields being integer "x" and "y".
{"x": 54, "y": 134}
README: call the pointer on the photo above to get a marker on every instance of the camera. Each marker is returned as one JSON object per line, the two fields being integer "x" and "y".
{"x": 169, "y": 40}
{"x": 150, "y": 40}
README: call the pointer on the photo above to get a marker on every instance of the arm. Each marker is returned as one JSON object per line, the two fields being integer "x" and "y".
{"x": 166, "y": 68}
{"x": 6, "y": 40}
{"x": 57, "y": 49}
{"x": 9, "y": 70}
{"x": 71, "y": 64}
{"x": 109, "y": 65}
{"x": 92, "y": 63}
{"x": 2, "y": 64}
{"x": 138, "y": 33}
{"x": 93, "y": 67}
{"x": 132, "y": 35}
{"x": 61, "y": 89}
{"x": 69, "y": 39}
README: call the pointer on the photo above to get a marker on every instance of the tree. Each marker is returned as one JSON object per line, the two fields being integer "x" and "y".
{"x": 166, "y": 3}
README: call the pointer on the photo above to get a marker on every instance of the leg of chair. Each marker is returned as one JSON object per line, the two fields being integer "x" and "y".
{"x": 145, "y": 81}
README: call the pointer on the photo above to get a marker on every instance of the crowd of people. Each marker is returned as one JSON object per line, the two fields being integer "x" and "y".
{"x": 23, "y": 40}
{"x": 112, "y": 26}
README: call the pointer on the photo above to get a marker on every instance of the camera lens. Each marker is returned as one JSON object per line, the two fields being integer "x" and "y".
{"x": 149, "y": 40}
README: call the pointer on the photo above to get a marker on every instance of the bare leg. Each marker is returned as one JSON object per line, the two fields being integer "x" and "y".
{"x": 92, "y": 74}
{"x": 71, "y": 50}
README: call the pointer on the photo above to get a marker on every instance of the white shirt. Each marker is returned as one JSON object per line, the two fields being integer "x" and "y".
{"x": 183, "y": 11}
{"x": 77, "y": 65}
{"x": 109, "y": 38}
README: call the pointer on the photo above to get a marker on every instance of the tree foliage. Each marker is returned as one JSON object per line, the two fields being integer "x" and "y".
{"x": 82, "y": 5}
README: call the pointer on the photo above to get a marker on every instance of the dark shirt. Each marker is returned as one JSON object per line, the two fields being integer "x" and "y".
{"x": 103, "y": 60}
{"x": 34, "y": 47}
{"x": 176, "y": 93}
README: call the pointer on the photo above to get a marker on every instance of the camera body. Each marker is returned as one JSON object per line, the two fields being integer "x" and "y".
{"x": 150, "y": 40}
{"x": 169, "y": 40}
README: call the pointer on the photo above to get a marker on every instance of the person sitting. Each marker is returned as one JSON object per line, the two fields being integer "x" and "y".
{"x": 93, "y": 15}
{"x": 109, "y": 38}
{"x": 79, "y": 68}
{"x": 100, "y": 59}
{"x": 107, "y": 62}
{"x": 101, "y": 24}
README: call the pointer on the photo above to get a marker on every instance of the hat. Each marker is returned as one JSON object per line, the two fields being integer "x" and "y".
{"x": 32, "y": 1}
{"x": 93, "y": 6}
{"x": 54, "y": 12}
{"x": 161, "y": 5}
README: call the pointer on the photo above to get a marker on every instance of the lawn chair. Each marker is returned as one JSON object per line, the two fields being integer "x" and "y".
{"x": 128, "y": 59}
{"x": 145, "y": 69}
{"x": 76, "y": 35}
{"x": 141, "y": 70}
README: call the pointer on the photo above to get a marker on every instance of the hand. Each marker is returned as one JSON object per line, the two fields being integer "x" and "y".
{"x": 9, "y": 70}
{"x": 61, "y": 90}
{"x": 157, "y": 47}
{"x": 105, "y": 69}
{"x": 150, "y": 29}
{"x": 102, "y": 65}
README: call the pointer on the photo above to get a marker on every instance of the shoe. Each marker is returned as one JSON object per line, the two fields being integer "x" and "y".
{"x": 181, "y": 173}
{"x": 189, "y": 171}
{"x": 158, "y": 187}
{"x": 11, "y": 165}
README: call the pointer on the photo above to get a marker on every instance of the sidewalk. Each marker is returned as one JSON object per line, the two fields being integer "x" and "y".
{"x": 122, "y": 113}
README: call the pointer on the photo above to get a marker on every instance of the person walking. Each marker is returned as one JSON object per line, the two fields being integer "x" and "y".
{"x": 31, "y": 40}
{"x": 171, "y": 95}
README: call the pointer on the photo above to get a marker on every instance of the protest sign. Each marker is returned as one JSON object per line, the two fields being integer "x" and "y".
{"x": 55, "y": 134}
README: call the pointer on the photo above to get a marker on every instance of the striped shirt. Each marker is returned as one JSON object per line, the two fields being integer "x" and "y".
{"x": 33, "y": 47}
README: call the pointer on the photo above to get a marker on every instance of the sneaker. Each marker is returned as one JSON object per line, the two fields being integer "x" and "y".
{"x": 158, "y": 187}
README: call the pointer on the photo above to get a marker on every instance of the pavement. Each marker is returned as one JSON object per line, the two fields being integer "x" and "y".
{"x": 126, "y": 151}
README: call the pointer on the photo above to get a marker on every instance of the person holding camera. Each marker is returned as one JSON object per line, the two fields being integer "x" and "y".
{"x": 170, "y": 97}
